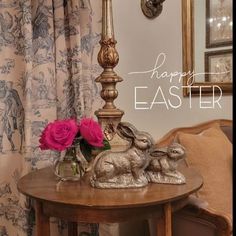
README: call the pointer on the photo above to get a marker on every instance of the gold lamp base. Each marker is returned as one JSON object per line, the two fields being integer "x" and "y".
{"x": 109, "y": 116}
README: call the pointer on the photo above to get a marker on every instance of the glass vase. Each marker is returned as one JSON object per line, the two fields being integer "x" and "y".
{"x": 70, "y": 167}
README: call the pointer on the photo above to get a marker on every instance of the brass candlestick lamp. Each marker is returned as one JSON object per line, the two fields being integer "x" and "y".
{"x": 109, "y": 116}
{"x": 140, "y": 162}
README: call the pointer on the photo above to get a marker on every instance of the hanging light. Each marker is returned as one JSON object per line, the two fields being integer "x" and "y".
{"x": 224, "y": 18}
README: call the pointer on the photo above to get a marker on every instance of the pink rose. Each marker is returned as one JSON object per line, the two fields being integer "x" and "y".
{"x": 59, "y": 135}
{"x": 91, "y": 131}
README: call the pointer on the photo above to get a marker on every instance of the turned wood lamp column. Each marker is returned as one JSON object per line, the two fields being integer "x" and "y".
{"x": 109, "y": 116}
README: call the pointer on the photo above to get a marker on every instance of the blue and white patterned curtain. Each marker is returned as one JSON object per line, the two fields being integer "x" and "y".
{"x": 48, "y": 65}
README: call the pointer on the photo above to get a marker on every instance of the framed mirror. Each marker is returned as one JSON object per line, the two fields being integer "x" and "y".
{"x": 208, "y": 70}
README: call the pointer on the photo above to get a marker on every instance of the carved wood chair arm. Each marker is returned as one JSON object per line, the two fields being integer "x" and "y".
{"x": 221, "y": 221}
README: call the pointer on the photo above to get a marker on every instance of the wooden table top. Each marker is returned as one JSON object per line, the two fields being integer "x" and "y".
{"x": 43, "y": 185}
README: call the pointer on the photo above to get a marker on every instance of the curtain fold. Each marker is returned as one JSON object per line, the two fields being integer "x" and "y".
{"x": 48, "y": 65}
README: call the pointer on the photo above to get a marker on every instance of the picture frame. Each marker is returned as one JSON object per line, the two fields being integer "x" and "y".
{"x": 218, "y": 66}
{"x": 219, "y": 23}
{"x": 191, "y": 85}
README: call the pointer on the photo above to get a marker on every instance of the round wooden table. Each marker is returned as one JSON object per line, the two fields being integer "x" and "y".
{"x": 79, "y": 202}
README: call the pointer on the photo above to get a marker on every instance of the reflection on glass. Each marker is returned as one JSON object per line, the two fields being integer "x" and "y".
{"x": 221, "y": 11}
{"x": 220, "y": 22}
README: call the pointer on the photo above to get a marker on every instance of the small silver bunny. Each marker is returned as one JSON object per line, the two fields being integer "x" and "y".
{"x": 124, "y": 169}
{"x": 162, "y": 168}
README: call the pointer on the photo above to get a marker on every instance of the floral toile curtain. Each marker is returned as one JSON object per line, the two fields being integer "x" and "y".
{"x": 48, "y": 64}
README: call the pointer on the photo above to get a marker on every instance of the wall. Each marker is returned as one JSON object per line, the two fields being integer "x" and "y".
{"x": 139, "y": 42}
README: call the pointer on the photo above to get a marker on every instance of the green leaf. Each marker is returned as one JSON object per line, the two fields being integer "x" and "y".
{"x": 107, "y": 145}
{"x": 86, "y": 149}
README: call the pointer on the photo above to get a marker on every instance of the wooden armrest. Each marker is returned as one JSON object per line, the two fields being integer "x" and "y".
{"x": 222, "y": 221}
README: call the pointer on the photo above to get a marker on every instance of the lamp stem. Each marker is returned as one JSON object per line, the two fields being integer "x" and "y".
{"x": 109, "y": 116}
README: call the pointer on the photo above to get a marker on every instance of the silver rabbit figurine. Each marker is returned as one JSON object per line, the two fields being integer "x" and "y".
{"x": 162, "y": 167}
{"x": 124, "y": 169}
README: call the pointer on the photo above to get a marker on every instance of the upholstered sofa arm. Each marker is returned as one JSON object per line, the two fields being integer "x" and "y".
{"x": 196, "y": 218}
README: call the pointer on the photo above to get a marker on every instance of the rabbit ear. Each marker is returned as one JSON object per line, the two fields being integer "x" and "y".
{"x": 176, "y": 145}
{"x": 158, "y": 152}
{"x": 126, "y": 130}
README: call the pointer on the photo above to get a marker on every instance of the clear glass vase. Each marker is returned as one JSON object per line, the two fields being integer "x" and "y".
{"x": 70, "y": 167}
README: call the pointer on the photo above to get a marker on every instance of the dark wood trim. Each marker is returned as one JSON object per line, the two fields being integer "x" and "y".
{"x": 72, "y": 229}
{"x": 87, "y": 214}
{"x": 222, "y": 222}
{"x": 42, "y": 220}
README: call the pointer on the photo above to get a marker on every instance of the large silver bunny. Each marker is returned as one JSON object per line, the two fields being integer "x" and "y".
{"x": 124, "y": 169}
{"x": 162, "y": 167}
